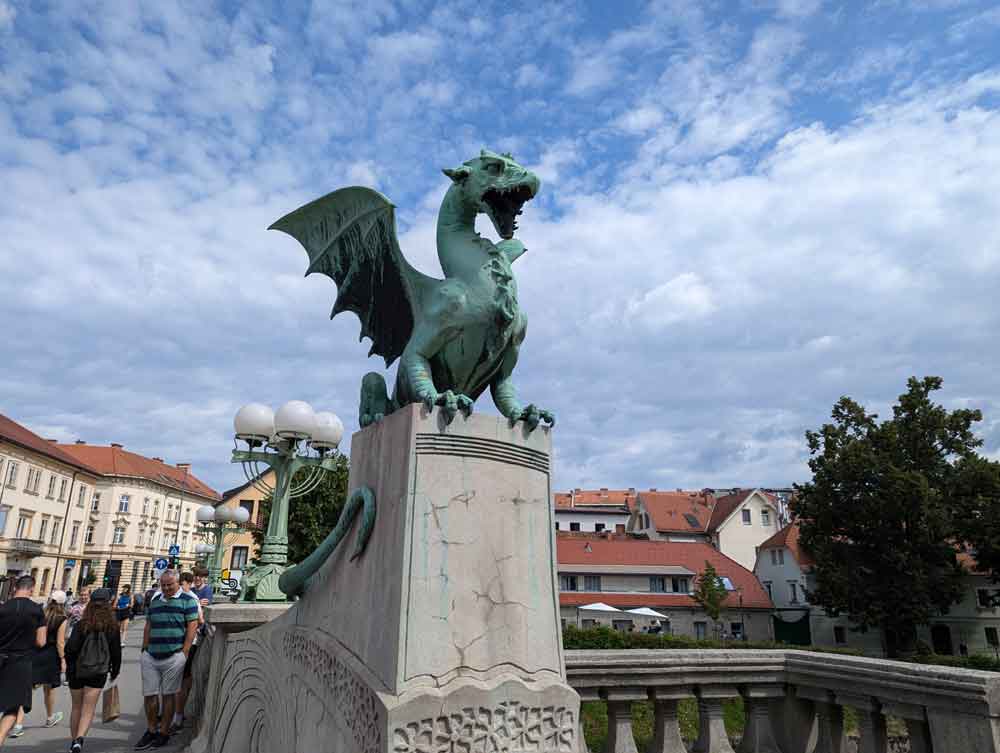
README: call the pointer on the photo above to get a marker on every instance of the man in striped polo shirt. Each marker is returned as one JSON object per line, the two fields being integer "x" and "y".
{"x": 171, "y": 624}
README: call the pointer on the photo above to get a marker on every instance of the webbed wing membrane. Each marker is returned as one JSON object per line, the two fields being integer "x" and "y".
{"x": 350, "y": 235}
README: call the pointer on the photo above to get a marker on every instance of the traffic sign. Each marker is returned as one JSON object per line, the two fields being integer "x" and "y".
{"x": 160, "y": 563}
{"x": 174, "y": 550}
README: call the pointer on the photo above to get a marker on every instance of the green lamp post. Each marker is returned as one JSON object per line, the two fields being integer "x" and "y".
{"x": 216, "y": 523}
{"x": 294, "y": 438}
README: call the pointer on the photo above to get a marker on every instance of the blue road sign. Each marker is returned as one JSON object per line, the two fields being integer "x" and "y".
{"x": 161, "y": 563}
{"x": 174, "y": 550}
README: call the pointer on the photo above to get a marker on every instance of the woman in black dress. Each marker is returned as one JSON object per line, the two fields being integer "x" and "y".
{"x": 48, "y": 663}
{"x": 85, "y": 691}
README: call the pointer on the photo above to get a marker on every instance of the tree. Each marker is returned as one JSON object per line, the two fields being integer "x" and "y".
{"x": 977, "y": 498}
{"x": 312, "y": 516}
{"x": 879, "y": 516}
{"x": 710, "y": 592}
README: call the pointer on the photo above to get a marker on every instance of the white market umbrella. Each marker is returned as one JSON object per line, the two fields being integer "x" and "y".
{"x": 647, "y": 612}
{"x": 598, "y": 606}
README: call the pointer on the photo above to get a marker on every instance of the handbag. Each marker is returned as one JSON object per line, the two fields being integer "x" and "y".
{"x": 111, "y": 705}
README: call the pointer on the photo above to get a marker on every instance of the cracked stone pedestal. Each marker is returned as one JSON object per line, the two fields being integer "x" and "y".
{"x": 443, "y": 636}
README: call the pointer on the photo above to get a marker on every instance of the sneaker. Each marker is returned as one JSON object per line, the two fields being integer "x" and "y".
{"x": 160, "y": 741}
{"x": 77, "y": 746}
{"x": 53, "y": 720}
{"x": 146, "y": 741}
{"x": 17, "y": 731}
{"x": 176, "y": 726}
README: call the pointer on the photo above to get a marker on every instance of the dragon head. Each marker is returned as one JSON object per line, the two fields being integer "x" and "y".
{"x": 497, "y": 186}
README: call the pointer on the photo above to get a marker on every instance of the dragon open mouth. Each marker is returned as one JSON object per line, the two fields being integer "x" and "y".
{"x": 505, "y": 205}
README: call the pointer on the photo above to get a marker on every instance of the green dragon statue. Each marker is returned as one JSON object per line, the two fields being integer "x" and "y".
{"x": 456, "y": 336}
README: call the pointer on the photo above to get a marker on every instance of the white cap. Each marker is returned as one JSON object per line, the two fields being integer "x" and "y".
{"x": 59, "y": 597}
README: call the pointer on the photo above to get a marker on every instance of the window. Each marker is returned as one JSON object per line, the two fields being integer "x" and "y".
{"x": 767, "y": 585}
{"x": 119, "y": 537}
{"x": 52, "y": 487}
{"x": 11, "y": 473}
{"x": 598, "y": 527}
{"x": 567, "y": 583}
{"x": 587, "y": 624}
{"x": 156, "y": 508}
{"x": 74, "y": 534}
{"x": 62, "y": 489}
{"x": 987, "y": 598}
{"x": 123, "y": 503}
{"x": 619, "y": 528}
{"x": 592, "y": 583}
{"x": 781, "y": 556}
{"x": 152, "y": 538}
{"x": 794, "y": 588}
{"x": 45, "y": 582}
{"x": 681, "y": 585}
{"x": 622, "y": 626}
{"x": 839, "y": 635}
{"x": 700, "y": 630}
{"x": 657, "y": 584}
{"x": 3, "y": 519}
{"x": 239, "y": 559}
{"x": 187, "y": 515}
{"x": 23, "y": 527}
{"x": 31, "y": 485}
{"x": 96, "y": 503}
{"x": 81, "y": 498}
{"x": 765, "y": 518}
{"x": 992, "y": 638}
{"x": 746, "y": 518}
{"x": 170, "y": 511}
{"x": 574, "y": 526}
{"x": 645, "y": 520}
{"x": 56, "y": 530}
{"x": 247, "y": 504}
{"x": 145, "y": 506}
{"x": 89, "y": 536}
{"x": 736, "y": 630}
{"x": 557, "y": 525}
{"x": 184, "y": 542}
{"x": 44, "y": 528}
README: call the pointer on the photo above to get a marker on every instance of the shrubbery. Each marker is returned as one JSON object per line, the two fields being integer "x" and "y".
{"x": 606, "y": 638}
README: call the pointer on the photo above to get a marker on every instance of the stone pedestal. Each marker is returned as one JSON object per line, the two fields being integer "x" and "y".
{"x": 444, "y": 634}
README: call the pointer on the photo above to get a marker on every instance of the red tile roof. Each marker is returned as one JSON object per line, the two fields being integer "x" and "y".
{"x": 117, "y": 461}
{"x": 586, "y": 497}
{"x": 14, "y": 433}
{"x": 668, "y": 510}
{"x": 572, "y": 549}
{"x": 788, "y": 538}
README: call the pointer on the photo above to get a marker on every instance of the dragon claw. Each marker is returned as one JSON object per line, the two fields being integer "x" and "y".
{"x": 451, "y": 403}
{"x": 533, "y": 415}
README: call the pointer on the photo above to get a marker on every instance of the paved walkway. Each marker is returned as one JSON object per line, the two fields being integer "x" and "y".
{"x": 115, "y": 737}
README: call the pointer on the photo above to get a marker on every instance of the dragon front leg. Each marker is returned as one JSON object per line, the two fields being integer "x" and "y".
{"x": 415, "y": 369}
{"x": 295, "y": 580}
{"x": 505, "y": 398}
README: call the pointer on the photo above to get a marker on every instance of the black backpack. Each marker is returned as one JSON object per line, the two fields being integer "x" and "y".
{"x": 95, "y": 656}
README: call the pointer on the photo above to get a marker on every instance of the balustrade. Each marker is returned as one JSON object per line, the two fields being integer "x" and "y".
{"x": 793, "y": 701}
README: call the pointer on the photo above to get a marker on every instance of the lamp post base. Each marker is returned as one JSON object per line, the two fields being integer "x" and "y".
{"x": 261, "y": 583}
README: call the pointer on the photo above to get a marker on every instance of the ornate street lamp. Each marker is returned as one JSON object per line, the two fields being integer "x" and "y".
{"x": 293, "y": 438}
{"x": 216, "y": 523}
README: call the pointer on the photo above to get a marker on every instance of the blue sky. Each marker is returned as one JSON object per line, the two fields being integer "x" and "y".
{"x": 749, "y": 209}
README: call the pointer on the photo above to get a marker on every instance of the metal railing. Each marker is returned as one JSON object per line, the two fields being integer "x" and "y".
{"x": 793, "y": 701}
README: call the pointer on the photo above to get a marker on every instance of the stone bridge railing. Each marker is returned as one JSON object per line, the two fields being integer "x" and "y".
{"x": 793, "y": 700}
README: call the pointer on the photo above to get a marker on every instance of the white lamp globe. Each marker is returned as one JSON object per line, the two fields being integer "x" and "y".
{"x": 223, "y": 514}
{"x": 203, "y": 549}
{"x": 205, "y": 514}
{"x": 329, "y": 431}
{"x": 295, "y": 420}
{"x": 254, "y": 421}
{"x": 241, "y": 515}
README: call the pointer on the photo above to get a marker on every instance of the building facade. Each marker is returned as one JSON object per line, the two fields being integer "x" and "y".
{"x": 241, "y": 549}
{"x": 595, "y": 510}
{"x": 140, "y": 508}
{"x": 629, "y": 573}
{"x": 44, "y": 497}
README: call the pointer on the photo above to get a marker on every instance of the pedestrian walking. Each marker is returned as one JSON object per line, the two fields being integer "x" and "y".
{"x": 202, "y": 588}
{"x": 171, "y": 623}
{"x": 92, "y": 652}
{"x": 48, "y": 662}
{"x": 76, "y": 610}
{"x": 187, "y": 585}
{"x": 123, "y": 609}
{"x": 22, "y": 629}
{"x": 137, "y": 604}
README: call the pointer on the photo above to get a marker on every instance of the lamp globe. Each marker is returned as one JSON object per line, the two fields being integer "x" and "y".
{"x": 295, "y": 420}
{"x": 205, "y": 514}
{"x": 254, "y": 422}
{"x": 241, "y": 515}
{"x": 223, "y": 514}
{"x": 329, "y": 431}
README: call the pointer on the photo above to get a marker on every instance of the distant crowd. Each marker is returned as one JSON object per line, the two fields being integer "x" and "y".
{"x": 81, "y": 639}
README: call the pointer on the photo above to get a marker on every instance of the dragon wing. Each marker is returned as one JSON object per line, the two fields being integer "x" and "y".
{"x": 350, "y": 235}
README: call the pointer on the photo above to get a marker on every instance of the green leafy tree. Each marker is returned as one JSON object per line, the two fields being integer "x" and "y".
{"x": 977, "y": 497}
{"x": 879, "y": 516}
{"x": 710, "y": 592}
{"x": 312, "y": 516}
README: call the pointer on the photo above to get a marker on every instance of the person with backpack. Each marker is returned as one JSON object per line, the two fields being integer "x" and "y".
{"x": 92, "y": 652}
{"x": 48, "y": 662}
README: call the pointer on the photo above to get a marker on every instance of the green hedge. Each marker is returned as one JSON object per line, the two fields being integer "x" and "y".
{"x": 976, "y": 661}
{"x": 606, "y": 638}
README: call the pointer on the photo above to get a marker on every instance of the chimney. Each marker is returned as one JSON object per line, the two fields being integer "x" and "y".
{"x": 116, "y": 444}
{"x": 604, "y": 488}
{"x": 158, "y": 460}
{"x": 679, "y": 490}
{"x": 631, "y": 490}
{"x": 53, "y": 441}
{"x": 652, "y": 488}
{"x": 80, "y": 441}
{"x": 184, "y": 466}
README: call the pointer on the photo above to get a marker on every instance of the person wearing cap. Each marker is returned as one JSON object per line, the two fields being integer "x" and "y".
{"x": 86, "y": 691}
{"x": 48, "y": 662}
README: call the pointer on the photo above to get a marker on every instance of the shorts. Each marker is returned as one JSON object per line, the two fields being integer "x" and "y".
{"x": 123, "y": 614}
{"x": 161, "y": 676}
{"x": 15, "y": 684}
{"x": 189, "y": 664}
{"x": 98, "y": 682}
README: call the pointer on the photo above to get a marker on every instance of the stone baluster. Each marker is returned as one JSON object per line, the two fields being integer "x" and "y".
{"x": 794, "y": 720}
{"x": 620, "y": 700}
{"x": 829, "y": 720}
{"x": 758, "y": 735}
{"x": 666, "y": 727}
{"x": 917, "y": 728}
{"x": 712, "y": 737}
{"x": 871, "y": 722}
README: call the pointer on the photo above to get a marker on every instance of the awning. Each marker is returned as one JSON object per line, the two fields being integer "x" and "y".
{"x": 599, "y": 607}
{"x": 647, "y": 612}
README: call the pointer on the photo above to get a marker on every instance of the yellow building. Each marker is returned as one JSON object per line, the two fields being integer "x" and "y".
{"x": 240, "y": 548}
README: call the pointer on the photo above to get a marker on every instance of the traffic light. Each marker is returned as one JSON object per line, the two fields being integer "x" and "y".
{"x": 107, "y": 580}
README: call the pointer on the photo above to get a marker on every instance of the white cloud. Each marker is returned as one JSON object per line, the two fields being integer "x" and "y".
{"x": 530, "y": 76}
{"x": 683, "y": 298}
{"x": 640, "y": 119}
{"x": 7, "y": 15}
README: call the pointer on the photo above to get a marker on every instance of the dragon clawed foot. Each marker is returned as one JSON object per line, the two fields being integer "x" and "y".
{"x": 451, "y": 403}
{"x": 532, "y": 416}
